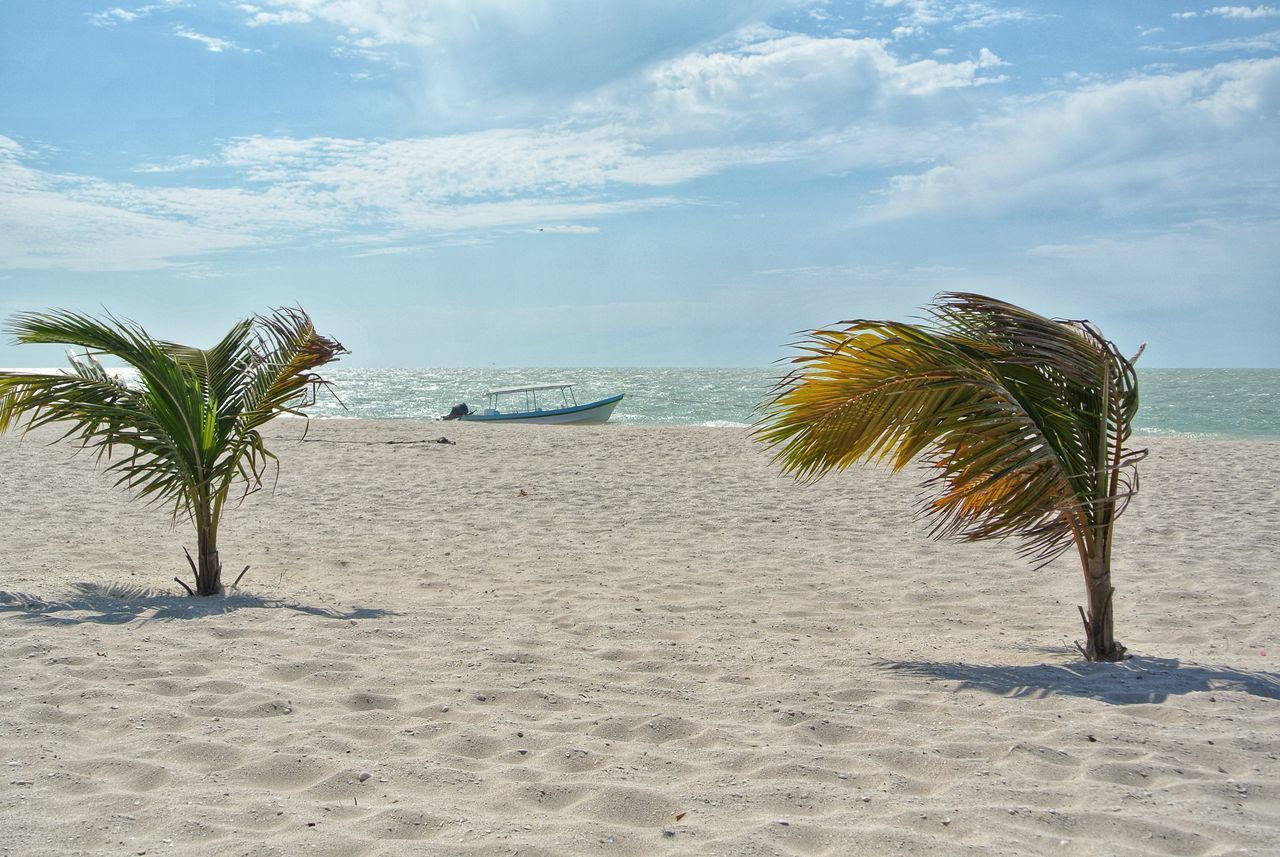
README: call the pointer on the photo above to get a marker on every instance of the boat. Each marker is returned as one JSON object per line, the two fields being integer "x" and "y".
{"x": 540, "y": 405}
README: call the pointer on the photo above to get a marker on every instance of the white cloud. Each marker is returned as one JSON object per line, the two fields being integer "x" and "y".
{"x": 469, "y": 61}
{"x": 1239, "y": 13}
{"x": 766, "y": 97}
{"x": 1197, "y": 138}
{"x": 257, "y": 17}
{"x": 782, "y": 86}
{"x": 979, "y": 15}
{"x": 176, "y": 165}
{"x": 1244, "y": 12}
{"x": 395, "y": 250}
{"x": 211, "y": 43}
{"x": 560, "y": 31}
{"x": 1260, "y": 43}
{"x": 446, "y": 23}
{"x": 460, "y": 53}
{"x": 503, "y": 163}
{"x": 919, "y": 15}
{"x": 444, "y": 220}
{"x": 312, "y": 189}
{"x": 111, "y": 17}
{"x": 802, "y": 98}
{"x": 375, "y": 22}
{"x": 120, "y": 15}
{"x": 50, "y": 221}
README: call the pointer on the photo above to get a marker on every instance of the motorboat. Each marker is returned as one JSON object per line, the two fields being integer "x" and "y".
{"x": 537, "y": 403}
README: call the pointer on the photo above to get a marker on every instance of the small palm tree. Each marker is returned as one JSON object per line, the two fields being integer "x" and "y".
{"x": 1023, "y": 418}
{"x": 189, "y": 427}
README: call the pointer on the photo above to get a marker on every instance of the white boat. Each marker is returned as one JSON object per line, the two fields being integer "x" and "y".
{"x": 537, "y": 403}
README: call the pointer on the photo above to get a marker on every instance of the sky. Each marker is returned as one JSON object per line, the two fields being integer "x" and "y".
{"x": 648, "y": 183}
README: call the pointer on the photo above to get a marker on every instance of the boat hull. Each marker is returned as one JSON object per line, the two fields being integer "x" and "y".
{"x": 592, "y": 413}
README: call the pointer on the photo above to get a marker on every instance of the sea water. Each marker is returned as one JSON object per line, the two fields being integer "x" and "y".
{"x": 652, "y": 397}
{"x": 1240, "y": 403}
{"x": 1234, "y": 403}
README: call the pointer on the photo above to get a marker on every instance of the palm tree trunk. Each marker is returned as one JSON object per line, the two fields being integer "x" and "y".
{"x": 1100, "y": 642}
{"x": 209, "y": 570}
{"x": 1099, "y": 629}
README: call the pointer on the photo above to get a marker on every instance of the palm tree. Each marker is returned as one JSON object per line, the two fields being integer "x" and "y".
{"x": 189, "y": 427}
{"x": 1024, "y": 420}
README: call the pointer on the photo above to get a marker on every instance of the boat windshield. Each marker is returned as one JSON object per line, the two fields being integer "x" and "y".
{"x": 535, "y": 396}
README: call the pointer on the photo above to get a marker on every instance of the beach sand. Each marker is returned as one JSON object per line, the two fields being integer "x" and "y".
{"x": 619, "y": 641}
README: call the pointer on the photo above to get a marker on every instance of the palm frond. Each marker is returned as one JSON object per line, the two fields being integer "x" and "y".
{"x": 286, "y": 350}
{"x": 220, "y": 369}
{"x": 1004, "y": 404}
{"x": 190, "y": 423}
{"x": 189, "y": 427}
{"x": 276, "y": 376}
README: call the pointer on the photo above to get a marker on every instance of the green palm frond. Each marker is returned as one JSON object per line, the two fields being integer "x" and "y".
{"x": 189, "y": 427}
{"x": 287, "y": 351}
{"x": 278, "y": 360}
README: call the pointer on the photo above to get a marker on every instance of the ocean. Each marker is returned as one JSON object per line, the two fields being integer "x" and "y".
{"x": 1236, "y": 403}
{"x": 1230, "y": 403}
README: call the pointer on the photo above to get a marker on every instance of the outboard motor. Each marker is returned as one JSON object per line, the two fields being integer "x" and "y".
{"x": 459, "y": 410}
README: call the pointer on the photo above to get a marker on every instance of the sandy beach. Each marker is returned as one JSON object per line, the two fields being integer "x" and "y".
{"x": 544, "y": 641}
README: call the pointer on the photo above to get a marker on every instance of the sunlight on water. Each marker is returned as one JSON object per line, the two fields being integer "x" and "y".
{"x": 1188, "y": 402}
{"x": 711, "y": 397}
{"x": 1241, "y": 403}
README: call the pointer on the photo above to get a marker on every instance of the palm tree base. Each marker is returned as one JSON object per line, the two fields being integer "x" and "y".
{"x": 1116, "y": 653}
{"x": 1099, "y": 645}
{"x": 208, "y": 574}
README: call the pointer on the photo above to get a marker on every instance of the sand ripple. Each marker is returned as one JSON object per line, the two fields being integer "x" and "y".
{"x": 660, "y": 648}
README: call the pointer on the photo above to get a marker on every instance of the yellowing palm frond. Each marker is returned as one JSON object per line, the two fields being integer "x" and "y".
{"x": 1023, "y": 418}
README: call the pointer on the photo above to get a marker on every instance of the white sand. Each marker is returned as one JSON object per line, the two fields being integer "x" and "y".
{"x": 661, "y": 648}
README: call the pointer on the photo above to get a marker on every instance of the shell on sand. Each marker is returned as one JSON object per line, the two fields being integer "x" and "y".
{"x": 554, "y": 641}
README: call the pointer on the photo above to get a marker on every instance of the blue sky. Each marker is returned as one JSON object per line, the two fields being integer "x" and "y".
{"x": 667, "y": 183}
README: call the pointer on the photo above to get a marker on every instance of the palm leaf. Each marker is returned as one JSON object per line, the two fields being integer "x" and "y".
{"x": 275, "y": 375}
{"x": 189, "y": 428}
{"x": 1002, "y": 403}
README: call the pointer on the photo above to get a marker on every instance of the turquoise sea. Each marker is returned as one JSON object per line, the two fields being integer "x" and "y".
{"x": 1240, "y": 403}
{"x": 1233, "y": 403}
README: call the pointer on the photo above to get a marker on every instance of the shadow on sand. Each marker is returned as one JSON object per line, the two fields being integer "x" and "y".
{"x": 117, "y": 604}
{"x": 1132, "y": 682}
